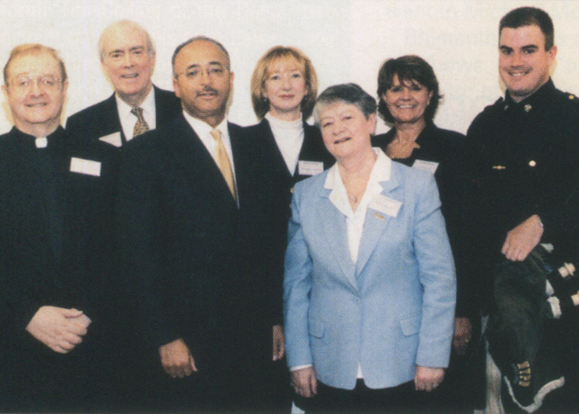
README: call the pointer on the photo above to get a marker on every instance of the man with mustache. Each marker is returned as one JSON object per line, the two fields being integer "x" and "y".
{"x": 523, "y": 163}
{"x": 202, "y": 233}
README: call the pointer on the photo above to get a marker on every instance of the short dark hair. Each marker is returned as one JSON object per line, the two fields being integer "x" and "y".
{"x": 196, "y": 39}
{"x": 409, "y": 68}
{"x": 349, "y": 93}
{"x": 528, "y": 16}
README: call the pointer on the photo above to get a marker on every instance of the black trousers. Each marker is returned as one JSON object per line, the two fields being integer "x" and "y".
{"x": 361, "y": 399}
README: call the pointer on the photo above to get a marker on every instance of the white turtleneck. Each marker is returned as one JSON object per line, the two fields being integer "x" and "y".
{"x": 289, "y": 137}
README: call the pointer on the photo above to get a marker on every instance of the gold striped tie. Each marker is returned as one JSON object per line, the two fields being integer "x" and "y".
{"x": 141, "y": 126}
{"x": 222, "y": 161}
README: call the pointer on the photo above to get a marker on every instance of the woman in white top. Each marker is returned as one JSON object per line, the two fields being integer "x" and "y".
{"x": 283, "y": 93}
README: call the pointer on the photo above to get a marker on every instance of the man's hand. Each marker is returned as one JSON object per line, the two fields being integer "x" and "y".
{"x": 427, "y": 379}
{"x": 523, "y": 239}
{"x": 304, "y": 382}
{"x": 462, "y": 335}
{"x": 278, "y": 342}
{"x": 59, "y": 329}
{"x": 176, "y": 359}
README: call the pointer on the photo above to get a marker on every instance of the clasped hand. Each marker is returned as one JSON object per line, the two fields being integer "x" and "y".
{"x": 59, "y": 329}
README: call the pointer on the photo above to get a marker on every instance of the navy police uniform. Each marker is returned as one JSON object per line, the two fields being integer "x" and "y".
{"x": 522, "y": 159}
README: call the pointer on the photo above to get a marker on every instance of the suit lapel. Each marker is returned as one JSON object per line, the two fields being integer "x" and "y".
{"x": 374, "y": 226}
{"x": 166, "y": 106}
{"x": 194, "y": 158}
{"x": 111, "y": 120}
{"x": 273, "y": 148}
{"x": 336, "y": 232}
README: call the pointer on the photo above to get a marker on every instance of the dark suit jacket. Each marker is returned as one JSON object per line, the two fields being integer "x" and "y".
{"x": 102, "y": 118}
{"x": 199, "y": 267}
{"x": 85, "y": 128}
{"x": 313, "y": 149}
{"x": 33, "y": 275}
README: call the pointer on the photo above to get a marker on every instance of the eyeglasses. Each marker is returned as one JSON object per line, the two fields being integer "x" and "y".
{"x": 25, "y": 82}
{"x": 212, "y": 72}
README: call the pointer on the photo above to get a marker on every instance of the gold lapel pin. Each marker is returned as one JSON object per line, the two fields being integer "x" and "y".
{"x": 378, "y": 216}
{"x": 498, "y": 167}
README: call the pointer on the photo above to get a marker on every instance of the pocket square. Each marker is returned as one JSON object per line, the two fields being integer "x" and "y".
{"x": 113, "y": 139}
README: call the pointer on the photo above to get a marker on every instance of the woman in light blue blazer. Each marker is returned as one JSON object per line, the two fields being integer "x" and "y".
{"x": 369, "y": 289}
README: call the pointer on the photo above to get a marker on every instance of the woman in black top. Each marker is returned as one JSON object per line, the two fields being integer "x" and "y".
{"x": 408, "y": 98}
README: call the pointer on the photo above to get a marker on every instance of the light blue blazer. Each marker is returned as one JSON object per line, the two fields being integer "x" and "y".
{"x": 390, "y": 311}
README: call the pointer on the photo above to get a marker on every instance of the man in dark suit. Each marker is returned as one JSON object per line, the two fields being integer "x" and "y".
{"x": 128, "y": 57}
{"x": 202, "y": 234}
{"x": 49, "y": 203}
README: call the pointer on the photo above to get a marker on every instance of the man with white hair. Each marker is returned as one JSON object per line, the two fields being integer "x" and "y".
{"x": 99, "y": 133}
{"x": 127, "y": 56}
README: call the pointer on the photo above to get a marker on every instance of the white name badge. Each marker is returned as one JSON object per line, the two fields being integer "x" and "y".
{"x": 113, "y": 139}
{"x": 429, "y": 166}
{"x": 310, "y": 167}
{"x": 88, "y": 167}
{"x": 385, "y": 205}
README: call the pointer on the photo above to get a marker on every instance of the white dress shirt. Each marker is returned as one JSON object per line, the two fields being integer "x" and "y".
{"x": 339, "y": 197}
{"x": 289, "y": 137}
{"x": 129, "y": 120}
{"x": 203, "y": 131}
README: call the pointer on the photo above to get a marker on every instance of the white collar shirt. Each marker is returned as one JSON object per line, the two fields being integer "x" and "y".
{"x": 203, "y": 131}
{"x": 339, "y": 197}
{"x": 129, "y": 120}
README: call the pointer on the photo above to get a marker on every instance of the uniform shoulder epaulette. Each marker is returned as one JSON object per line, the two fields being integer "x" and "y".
{"x": 497, "y": 105}
{"x": 572, "y": 98}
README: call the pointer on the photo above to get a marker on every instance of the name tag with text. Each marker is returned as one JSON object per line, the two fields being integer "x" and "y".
{"x": 310, "y": 167}
{"x": 429, "y": 166}
{"x": 386, "y": 205}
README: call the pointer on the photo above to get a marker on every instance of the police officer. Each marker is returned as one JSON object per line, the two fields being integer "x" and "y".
{"x": 523, "y": 161}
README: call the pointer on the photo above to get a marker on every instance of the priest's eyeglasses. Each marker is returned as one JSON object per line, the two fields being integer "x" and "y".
{"x": 25, "y": 82}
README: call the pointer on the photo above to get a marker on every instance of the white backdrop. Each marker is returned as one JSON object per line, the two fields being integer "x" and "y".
{"x": 347, "y": 41}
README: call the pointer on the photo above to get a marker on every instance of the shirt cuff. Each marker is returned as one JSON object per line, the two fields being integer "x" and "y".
{"x": 292, "y": 369}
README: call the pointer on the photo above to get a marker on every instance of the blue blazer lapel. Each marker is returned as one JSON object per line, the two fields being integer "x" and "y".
{"x": 336, "y": 232}
{"x": 374, "y": 226}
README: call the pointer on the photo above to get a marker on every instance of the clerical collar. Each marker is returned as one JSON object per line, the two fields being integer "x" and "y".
{"x": 41, "y": 142}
